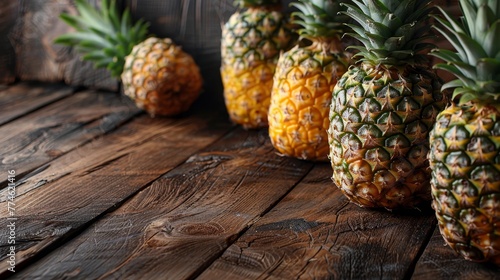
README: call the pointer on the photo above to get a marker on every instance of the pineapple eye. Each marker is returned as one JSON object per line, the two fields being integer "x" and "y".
{"x": 457, "y": 162}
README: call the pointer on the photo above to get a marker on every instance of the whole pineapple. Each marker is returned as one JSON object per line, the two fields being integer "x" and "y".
{"x": 252, "y": 39}
{"x": 465, "y": 142}
{"x": 383, "y": 109}
{"x": 160, "y": 77}
{"x": 304, "y": 80}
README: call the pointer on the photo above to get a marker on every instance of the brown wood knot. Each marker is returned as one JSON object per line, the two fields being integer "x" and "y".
{"x": 162, "y": 232}
{"x": 54, "y": 153}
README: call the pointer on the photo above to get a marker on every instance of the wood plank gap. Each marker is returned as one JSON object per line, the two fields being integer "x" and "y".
{"x": 427, "y": 240}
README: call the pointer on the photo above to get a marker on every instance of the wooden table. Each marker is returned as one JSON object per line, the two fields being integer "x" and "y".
{"x": 104, "y": 191}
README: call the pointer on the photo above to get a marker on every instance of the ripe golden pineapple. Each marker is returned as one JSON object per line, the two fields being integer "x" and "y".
{"x": 465, "y": 142}
{"x": 251, "y": 42}
{"x": 160, "y": 77}
{"x": 304, "y": 80}
{"x": 383, "y": 109}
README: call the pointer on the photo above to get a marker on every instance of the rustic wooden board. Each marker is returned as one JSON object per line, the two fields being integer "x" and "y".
{"x": 9, "y": 11}
{"x": 315, "y": 233}
{"x": 439, "y": 261}
{"x": 23, "y": 98}
{"x": 65, "y": 195}
{"x": 38, "y": 58}
{"x": 183, "y": 221}
{"x": 39, "y": 137}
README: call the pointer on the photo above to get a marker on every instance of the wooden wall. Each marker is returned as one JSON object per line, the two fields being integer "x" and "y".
{"x": 33, "y": 26}
{"x": 27, "y": 29}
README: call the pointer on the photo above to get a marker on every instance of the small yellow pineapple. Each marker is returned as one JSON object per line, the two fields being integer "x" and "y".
{"x": 251, "y": 42}
{"x": 160, "y": 77}
{"x": 304, "y": 81}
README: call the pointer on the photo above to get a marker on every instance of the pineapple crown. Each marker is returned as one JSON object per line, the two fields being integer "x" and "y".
{"x": 320, "y": 18}
{"x": 256, "y": 3}
{"x": 393, "y": 32}
{"x": 103, "y": 37}
{"x": 476, "y": 62}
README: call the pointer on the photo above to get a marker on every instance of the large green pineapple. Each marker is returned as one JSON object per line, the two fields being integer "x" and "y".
{"x": 465, "y": 142}
{"x": 383, "y": 109}
{"x": 252, "y": 39}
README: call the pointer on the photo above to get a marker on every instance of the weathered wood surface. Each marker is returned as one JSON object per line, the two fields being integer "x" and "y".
{"x": 110, "y": 193}
{"x": 315, "y": 233}
{"x": 184, "y": 220}
{"x": 76, "y": 188}
{"x": 23, "y": 98}
{"x": 62, "y": 126}
{"x": 439, "y": 261}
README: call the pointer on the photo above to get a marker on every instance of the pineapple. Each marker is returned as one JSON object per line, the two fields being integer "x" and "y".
{"x": 383, "y": 109}
{"x": 304, "y": 80}
{"x": 160, "y": 77}
{"x": 465, "y": 141}
{"x": 251, "y": 42}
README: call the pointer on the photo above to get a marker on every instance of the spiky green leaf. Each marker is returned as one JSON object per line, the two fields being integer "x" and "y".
{"x": 103, "y": 32}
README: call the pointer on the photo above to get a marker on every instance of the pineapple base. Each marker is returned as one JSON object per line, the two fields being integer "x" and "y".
{"x": 465, "y": 163}
{"x": 379, "y": 125}
{"x": 161, "y": 78}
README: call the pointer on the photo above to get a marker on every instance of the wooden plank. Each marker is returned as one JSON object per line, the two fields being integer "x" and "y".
{"x": 439, "y": 261}
{"x": 23, "y": 98}
{"x": 69, "y": 192}
{"x": 184, "y": 220}
{"x": 37, "y": 138}
{"x": 9, "y": 13}
{"x": 315, "y": 233}
{"x": 38, "y": 58}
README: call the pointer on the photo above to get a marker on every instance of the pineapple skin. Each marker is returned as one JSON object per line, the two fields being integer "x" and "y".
{"x": 465, "y": 162}
{"x": 161, "y": 78}
{"x": 300, "y": 100}
{"x": 251, "y": 43}
{"x": 379, "y": 126}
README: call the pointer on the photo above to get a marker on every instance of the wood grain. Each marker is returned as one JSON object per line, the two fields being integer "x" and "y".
{"x": 23, "y": 98}
{"x": 183, "y": 221}
{"x": 439, "y": 261}
{"x": 30, "y": 142}
{"x": 67, "y": 194}
{"x": 315, "y": 233}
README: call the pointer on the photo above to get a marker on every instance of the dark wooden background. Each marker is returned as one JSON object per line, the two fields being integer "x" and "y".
{"x": 28, "y": 28}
